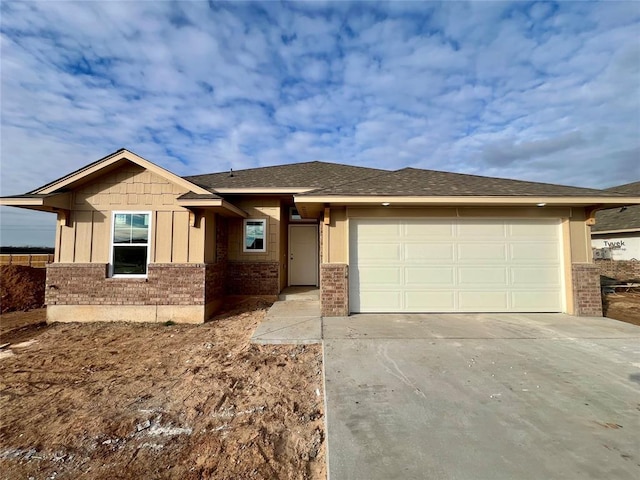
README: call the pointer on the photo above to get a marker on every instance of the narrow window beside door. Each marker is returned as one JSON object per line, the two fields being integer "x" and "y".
{"x": 130, "y": 244}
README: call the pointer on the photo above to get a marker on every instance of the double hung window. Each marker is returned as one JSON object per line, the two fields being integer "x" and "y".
{"x": 130, "y": 244}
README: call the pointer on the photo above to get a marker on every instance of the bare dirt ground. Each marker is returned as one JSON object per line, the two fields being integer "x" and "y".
{"x": 155, "y": 401}
{"x": 624, "y": 306}
{"x": 18, "y": 327}
{"x": 21, "y": 287}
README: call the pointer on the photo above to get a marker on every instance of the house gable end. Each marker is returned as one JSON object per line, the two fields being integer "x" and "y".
{"x": 109, "y": 163}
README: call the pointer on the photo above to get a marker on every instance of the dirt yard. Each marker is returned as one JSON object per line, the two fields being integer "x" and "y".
{"x": 21, "y": 287}
{"x": 154, "y": 401}
{"x": 624, "y": 306}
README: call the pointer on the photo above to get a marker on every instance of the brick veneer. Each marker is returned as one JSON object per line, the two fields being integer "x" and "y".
{"x": 587, "y": 297}
{"x": 222, "y": 238}
{"x": 215, "y": 274}
{"x": 253, "y": 278}
{"x": 167, "y": 284}
{"x": 334, "y": 290}
{"x": 621, "y": 270}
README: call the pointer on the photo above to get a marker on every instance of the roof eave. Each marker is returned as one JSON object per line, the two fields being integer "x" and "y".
{"x": 615, "y": 232}
{"x": 609, "y": 202}
{"x": 219, "y": 205}
{"x": 44, "y": 203}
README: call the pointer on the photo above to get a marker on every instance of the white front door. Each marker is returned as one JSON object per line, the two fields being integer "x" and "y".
{"x": 303, "y": 255}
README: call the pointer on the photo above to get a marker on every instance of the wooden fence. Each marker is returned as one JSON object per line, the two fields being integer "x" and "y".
{"x": 38, "y": 260}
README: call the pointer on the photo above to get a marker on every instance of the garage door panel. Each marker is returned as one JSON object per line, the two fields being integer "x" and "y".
{"x": 534, "y": 252}
{"x": 438, "y": 301}
{"x": 380, "y": 301}
{"x": 528, "y": 276}
{"x": 483, "y": 276}
{"x": 541, "y": 301}
{"x": 482, "y": 252}
{"x": 378, "y": 229}
{"x": 434, "y": 252}
{"x": 479, "y": 229}
{"x": 527, "y": 230}
{"x": 426, "y": 230}
{"x": 433, "y": 276}
{"x": 377, "y": 276}
{"x": 483, "y": 301}
{"x": 367, "y": 252}
{"x": 448, "y": 265}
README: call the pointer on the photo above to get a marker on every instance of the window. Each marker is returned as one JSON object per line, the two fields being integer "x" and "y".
{"x": 130, "y": 244}
{"x": 255, "y": 236}
{"x": 294, "y": 215}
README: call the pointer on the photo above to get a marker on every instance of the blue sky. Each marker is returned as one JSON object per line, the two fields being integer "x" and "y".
{"x": 540, "y": 91}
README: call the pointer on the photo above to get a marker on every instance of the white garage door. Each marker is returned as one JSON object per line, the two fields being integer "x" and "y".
{"x": 455, "y": 265}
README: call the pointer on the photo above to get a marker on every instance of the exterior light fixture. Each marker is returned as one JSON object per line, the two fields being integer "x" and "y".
{"x": 541, "y": 204}
{"x": 385, "y": 204}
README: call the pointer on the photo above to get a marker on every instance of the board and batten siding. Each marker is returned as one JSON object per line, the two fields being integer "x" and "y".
{"x": 257, "y": 208}
{"x": 131, "y": 188}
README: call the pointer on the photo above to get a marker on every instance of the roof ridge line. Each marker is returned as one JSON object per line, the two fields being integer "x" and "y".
{"x": 382, "y": 172}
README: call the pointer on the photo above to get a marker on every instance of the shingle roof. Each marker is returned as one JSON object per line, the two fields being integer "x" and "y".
{"x": 628, "y": 188}
{"x": 616, "y": 218}
{"x": 417, "y": 182}
{"x": 305, "y": 175}
{"x": 198, "y": 196}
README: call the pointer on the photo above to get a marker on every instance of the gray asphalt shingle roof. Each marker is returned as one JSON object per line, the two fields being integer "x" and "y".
{"x": 346, "y": 180}
{"x": 417, "y": 182}
{"x": 616, "y": 218}
{"x": 305, "y": 175}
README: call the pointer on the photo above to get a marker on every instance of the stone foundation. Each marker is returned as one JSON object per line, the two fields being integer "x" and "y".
{"x": 334, "y": 290}
{"x": 621, "y": 270}
{"x": 587, "y": 297}
{"x": 253, "y": 278}
{"x": 196, "y": 288}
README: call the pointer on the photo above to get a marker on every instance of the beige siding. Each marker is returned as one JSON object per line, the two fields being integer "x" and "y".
{"x": 284, "y": 246}
{"x": 336, "y": 237}
{"x": 258, "y": 208}
{"x": 180, "y": 250}
{"x": 84, "y": 231}
{"x": 195, "y": 248}
{"x": 164, "y": 229}
{"x": 129, "y": 188}
{"x": 580, "y": 237}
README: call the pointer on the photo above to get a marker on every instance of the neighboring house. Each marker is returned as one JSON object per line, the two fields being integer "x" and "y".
{"x": 615, "y": 238}
{"x": 617, "y": 230}
{"x": 136, "y": 242}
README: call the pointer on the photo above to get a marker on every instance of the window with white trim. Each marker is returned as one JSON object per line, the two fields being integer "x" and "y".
{"x": 130, "y": 244}
{"x": 255, "y": 235}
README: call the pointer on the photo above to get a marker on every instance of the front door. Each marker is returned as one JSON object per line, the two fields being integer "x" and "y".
{"x": 303, "y": 255}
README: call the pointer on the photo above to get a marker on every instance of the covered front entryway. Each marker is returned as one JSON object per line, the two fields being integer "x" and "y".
{"x": 303, "y": 254}
{"x": 455, "y": 265}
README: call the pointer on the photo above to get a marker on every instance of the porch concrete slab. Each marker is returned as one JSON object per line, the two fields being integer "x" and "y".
{"x": 290, "y": 322}
{"x": 482, "y": 397}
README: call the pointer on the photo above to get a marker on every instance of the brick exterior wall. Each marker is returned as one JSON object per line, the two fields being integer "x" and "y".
{"x": 587, "y": 296}
{"x": 222, "y": 238}
{"x": 88, "y": 284}
{"x": 334, "y": 290}
{"x": 621, "y": 270}
{"x": 215, "y": 274}
{"x": 253, "y": 278}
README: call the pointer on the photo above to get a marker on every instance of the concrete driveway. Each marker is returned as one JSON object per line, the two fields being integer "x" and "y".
{"x": 482, "y": 397}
